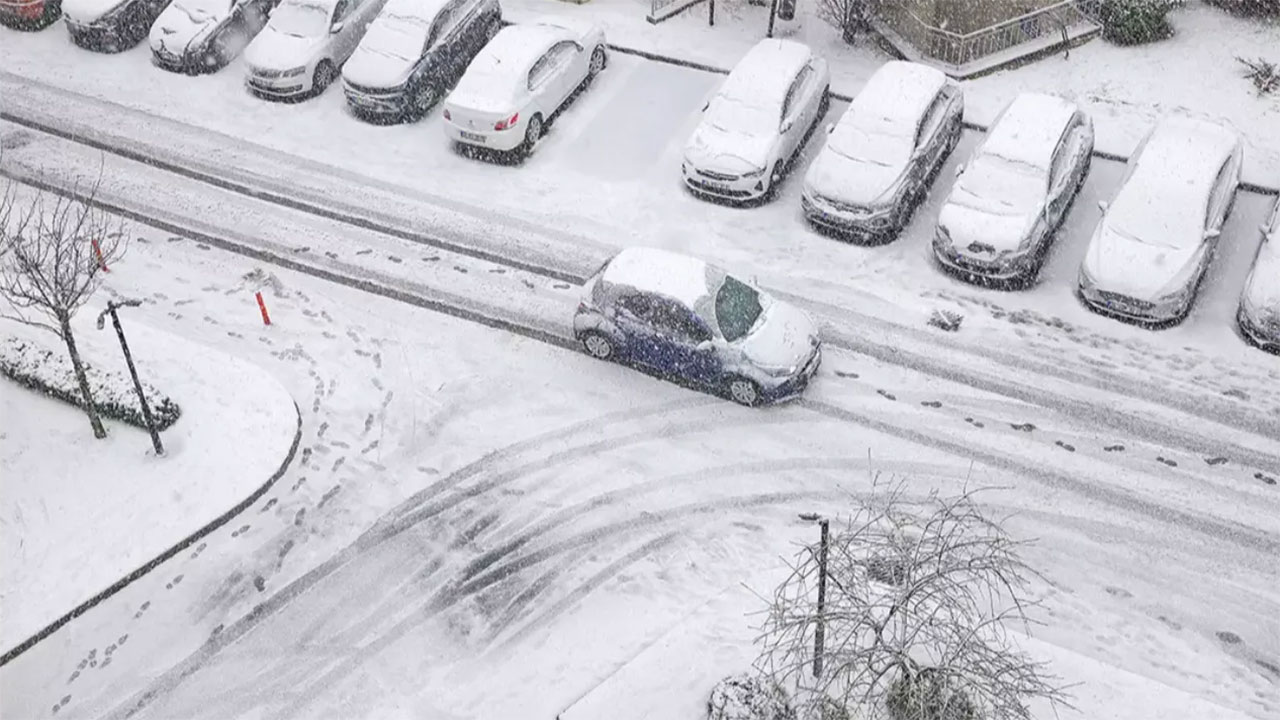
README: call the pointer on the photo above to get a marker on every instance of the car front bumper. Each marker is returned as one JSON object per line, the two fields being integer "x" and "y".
{"x": 726, "y": 187}
{"x": 388, "y": 103}
{"x": 1256, "y": 333}
{"x": 1127, "y": 308}
{"x": 278, "y": 86}
{"x": 795, "y": 385}
{"x": 966, "y": 267}
{"x": 877, "y": 225}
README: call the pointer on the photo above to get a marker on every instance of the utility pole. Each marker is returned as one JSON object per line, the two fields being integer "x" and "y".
{"x": 820, "y": 631}
{"x": 773, "y": 13}
{"x": 133, "y": 371}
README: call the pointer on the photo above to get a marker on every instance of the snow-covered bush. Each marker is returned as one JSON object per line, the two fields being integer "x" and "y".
{"x": 946, "y": 320}
{"x": 50, "y": 372}
{"x": 1264, "y": 74}
{"x": 928, "y": 696}
{"x": 746, "y": 697}
{"x": 1132, "y": 22}
{"x": 1249, "y": 7}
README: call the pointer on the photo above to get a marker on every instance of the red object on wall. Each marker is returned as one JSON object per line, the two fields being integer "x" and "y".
{"x": 266, "y": 319}
{"x": 98, "y": 251}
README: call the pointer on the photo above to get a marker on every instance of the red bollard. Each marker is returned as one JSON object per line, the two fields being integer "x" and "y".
{"x": 97, "y": 249}
{"x": 266, "y": 319}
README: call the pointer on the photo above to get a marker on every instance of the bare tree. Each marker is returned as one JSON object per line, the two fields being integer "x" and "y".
{"x": 52, "y": 253}
{"x": 850, "y": 16}
{"x": 918, "y": 597}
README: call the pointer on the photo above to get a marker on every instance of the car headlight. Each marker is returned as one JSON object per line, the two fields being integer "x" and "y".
{"x": 294, "y": 72}
{"x": 753, "y": 173}
{"x": 779, "y": 370}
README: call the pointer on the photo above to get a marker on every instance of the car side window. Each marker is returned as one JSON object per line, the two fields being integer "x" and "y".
{"x": 932, "y": 118}
{"x": 341, "y": 10}
{"x": 538, "y": 73}
{"x": 563, "y": 51}
{"x": 795, "y": 92}
{"x": 1218, "y": 198}
{"x": 442, "y": 26}
{"x": 1063, "y": 154}
{"x": 638, "y": 306}
{"x": 674, "y": 321}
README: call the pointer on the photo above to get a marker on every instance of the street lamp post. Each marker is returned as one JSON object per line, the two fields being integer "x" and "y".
{"x": 133, "y": 371}
{"x": 820, "y": 630}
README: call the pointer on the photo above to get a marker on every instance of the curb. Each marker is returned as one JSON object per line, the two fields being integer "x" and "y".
{"x": 150, "y": 565}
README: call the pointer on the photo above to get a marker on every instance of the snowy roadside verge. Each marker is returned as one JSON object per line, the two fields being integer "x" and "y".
{"x": 78, "y": 515}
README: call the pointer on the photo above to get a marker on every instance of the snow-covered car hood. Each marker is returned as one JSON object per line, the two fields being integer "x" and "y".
{"x": 784, "y": 337}
{"x": 175, "y": 29}
{"x": 88, "y": 11}
{"x": 376, "y": 69}
{"x": 967, "y": 225}
{"x": 846, "y": 180}
{"x": 710, "y": 148}
{"x": 274, "y": 50}
{"x": 1263, "y": 290}
{"x": 1138, "y": 270}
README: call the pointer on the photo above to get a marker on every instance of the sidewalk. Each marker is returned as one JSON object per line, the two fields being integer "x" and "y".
{"x": 77, "y": 515}
{"x": 1124, "y": 89}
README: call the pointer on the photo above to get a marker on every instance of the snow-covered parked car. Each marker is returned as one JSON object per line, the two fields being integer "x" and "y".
{"x": 1157, "y": 237}
{"x": 110, "y": 25}
{"x": 414, "y": 51}
{"x": 29, "y": 14}
{"x": 879, "y": 159}
{"x": 304, "y": 44}
{"x": 520, "y": 80}
{"x": 690, "y": 320}
{"x": 1259, "y": 313}
{"x": 756, "y": 123}
{"x": 204, "y": 35}
{"x": 1001, "y": 215}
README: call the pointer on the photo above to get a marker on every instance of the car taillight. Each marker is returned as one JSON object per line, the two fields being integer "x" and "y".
{"x": 446, "y": 114}
{"x": 508, "y": 123}
{"x": 582, "y": 307}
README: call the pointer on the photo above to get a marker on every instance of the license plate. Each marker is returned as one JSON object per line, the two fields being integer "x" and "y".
{"x": 473, "y": 137}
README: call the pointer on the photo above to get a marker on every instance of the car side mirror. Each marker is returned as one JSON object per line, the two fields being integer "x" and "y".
{"x": 337, "y": 27}
{"x": 831, "y": 128}
{"x": 1265, "y": 228}
{"x": 705, "y": 106}
{"x": 1212, "y": 233}
{"x": 959, "y": 169}
{"x": 786, "y": 126}
{"x": 1102, "y": 205}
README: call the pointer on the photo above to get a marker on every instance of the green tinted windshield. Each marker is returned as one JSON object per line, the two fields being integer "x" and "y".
{"x": 737, "y": 309}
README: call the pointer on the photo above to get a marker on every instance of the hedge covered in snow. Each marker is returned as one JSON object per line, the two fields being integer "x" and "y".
{"x": 50, "y": 372}
{"x": 747, "y": 697}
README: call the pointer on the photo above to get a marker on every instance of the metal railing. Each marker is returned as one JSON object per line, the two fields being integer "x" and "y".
{"x": 959, "y": 49}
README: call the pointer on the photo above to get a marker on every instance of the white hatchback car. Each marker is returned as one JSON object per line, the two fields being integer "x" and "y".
{"x": 757, "y": 121}
{"x": 999, "y": 219}
{"x": 878, "y": 162}
{"x": 1156, "y": 239}
{"x": 1259, "y": 314}
{"x": 520, "y": 80}
{"x": 304, "y": 45}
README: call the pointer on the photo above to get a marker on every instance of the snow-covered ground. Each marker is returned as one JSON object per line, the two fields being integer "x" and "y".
{"x": 77, "y": 514}
{"x": 478, "y": 525}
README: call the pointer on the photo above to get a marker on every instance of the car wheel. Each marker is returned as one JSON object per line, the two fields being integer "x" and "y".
{"x": 743, "y": 391}
{"x": 598, "y": 346}
{"x": 324, "y": 76}
{"x": 598, "y": 61}
{"x": 424, "y": 99}
{"x": 532, "y": 134}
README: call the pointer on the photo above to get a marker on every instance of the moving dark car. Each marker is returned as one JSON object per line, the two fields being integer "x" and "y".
{"x": 204, "y": 35}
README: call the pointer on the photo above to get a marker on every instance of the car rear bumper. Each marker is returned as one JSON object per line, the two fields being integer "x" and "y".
{"x": 502, "y": 140}
{"x": 22, "y": 9}
{"x": 1256, "y": 334}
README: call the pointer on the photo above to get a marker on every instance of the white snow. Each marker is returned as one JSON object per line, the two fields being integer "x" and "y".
{"x": 763, "y": 76}
{"x": 88, "y": 11}
{"x": 76, "y": 513}
{"x": 680, "y": 277}
{"x": 498, "y": 75}
{"x": 1029, "y": 129}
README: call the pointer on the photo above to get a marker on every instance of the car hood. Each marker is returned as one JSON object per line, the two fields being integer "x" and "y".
{"x": 784, "y": 337}
{"x": 175, "y": 30}
{"x": 998, "y": 233}
{"x": 88, "y": 11}
{"x": 1146, "y": 272}
{"x": 1263, "y": 288}
{"x": 711, "y": 148}
{"x": 846, "y": 180}
{"x": 376, "y": 69}
{"x": 274, "y": 50}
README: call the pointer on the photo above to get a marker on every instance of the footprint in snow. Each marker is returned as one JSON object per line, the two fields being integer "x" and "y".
{"x": 1114, "y": 448}
{"x": 1264, "y": 478}
{"x": 1219, "y": 460}
{"x": 931, "y": 404}
{"x": 887, "y": 394}
{"x": 847, "y": 374}
{"x": 1166, "y": 461}
{"x": 975, "y": 423}
{"x": 1065, "y": 446}
{"x": 1023, "y": 427}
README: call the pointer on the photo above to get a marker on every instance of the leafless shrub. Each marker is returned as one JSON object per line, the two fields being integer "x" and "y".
{"x": 1265, "y": 75}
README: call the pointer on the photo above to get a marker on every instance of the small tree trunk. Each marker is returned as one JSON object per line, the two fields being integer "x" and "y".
{"x": 89, "y": 407}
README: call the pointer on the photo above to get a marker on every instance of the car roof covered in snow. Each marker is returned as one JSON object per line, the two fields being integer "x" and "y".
{"x": 896, "y": 97}
{"x": 1165, "y": 197}
{"x": 1029, "y": 129}
{"x": 410, "y": 10}
{"x": 516, "y": 48}
{"x": 684, "y": 278}
{"x": 763, "y": 76}
{"x": 579, "y": 26}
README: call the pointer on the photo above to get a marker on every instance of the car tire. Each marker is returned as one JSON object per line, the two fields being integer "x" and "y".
{"x": 744, "y": 391}
{"x": 324, "y": 76}
{"x": 598, "y": 346}
{"x": 532, "y": 134}
{"x": 598, "y": 62}
{"x": 424, "y": 99}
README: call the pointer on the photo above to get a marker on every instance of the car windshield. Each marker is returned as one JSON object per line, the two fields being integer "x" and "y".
{"x": 737, "y": 308}
{"x": 734, "y": 116}
{"x": 398, "y": 36}
{"x": 202, "y": 10}
{"x": 1002, "y": 187}
{"x": 301, "y": 19}
{"x": 886, "y": 149}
